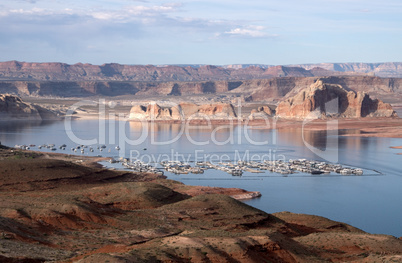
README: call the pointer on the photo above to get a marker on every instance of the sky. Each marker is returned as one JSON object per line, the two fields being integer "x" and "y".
{"x": 215, "y": 32}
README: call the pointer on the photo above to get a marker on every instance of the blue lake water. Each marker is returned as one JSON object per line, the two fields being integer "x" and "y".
{"x": 370, "y": 202}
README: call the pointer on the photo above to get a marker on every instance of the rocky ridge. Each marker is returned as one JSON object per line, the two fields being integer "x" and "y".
{"x": 13, "y": 108}
{"x": 14, "y": 70}
{"x": 322, "y": 100}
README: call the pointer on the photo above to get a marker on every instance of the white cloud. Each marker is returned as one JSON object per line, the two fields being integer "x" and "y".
{"x": 249, "y": 31}
{"x": 102, "y": 13}
{"x": 33, "y": 11}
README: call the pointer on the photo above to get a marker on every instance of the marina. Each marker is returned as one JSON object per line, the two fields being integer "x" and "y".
{"x": 235, "y": 168}
{"x": 280, "y": 167}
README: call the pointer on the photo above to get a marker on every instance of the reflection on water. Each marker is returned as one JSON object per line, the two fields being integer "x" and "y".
{"x": 367, "y": 202}
{"x": 20, "y": 131}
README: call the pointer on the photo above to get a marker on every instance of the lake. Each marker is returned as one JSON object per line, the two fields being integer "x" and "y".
{"x": 370, "y": 202}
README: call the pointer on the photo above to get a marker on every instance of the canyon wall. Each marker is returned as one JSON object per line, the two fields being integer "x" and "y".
{"x": 14, "y": 70}
{"x": 272, "y": 90}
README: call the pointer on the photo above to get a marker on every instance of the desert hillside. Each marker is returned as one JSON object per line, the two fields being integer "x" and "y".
{"x": 61, "y": 208}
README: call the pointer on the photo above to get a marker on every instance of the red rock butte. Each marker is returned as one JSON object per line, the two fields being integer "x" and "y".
{"x": 322, "y": 100}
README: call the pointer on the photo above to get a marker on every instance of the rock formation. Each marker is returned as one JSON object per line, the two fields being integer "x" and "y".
{"x": 323, "y": 100}
{"x": 13, "y": 108}
{"x": 182, "y": 111}
{"x": 261, "y": 112}
{"x": 221, "y": 111}
{"x": 154, "y": 112}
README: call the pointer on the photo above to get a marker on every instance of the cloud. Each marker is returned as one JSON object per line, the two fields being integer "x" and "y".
{"x": 250, "y": 31}
{"x": 148, "y": 16}
{"x": 135, "y": 12}
{"x": 111, "y": 29}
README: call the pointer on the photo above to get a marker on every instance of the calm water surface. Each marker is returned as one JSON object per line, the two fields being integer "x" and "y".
{"x": 370, "y": 202}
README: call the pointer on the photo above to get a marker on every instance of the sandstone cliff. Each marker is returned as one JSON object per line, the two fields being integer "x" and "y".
{"x": 13, "y": 108}
{"x": 182, "y": 111}
{"x": 322, "y": 100}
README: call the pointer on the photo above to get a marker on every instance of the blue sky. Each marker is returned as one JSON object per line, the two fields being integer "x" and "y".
{"x": 201, "y": 32}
